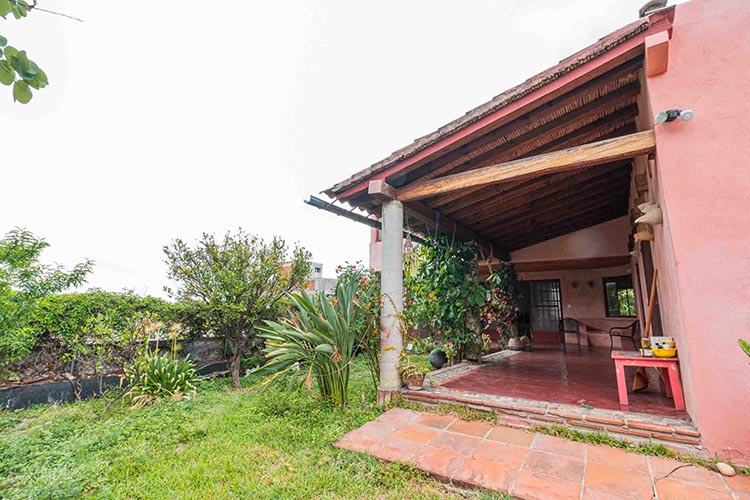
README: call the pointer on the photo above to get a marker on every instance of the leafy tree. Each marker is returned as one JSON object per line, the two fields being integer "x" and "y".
{"x": 16, "y": 68}
{"x": 232, "y": 285}
{"x": 23, "y": 282}
{"x": 443, "y": 290}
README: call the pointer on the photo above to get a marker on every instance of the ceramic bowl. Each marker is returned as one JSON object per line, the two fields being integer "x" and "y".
{"x": 665, "y": 353}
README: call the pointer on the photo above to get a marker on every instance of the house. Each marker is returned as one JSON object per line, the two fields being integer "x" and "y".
{"x": 549, "y": 175}
{"x": 316, "y": 282}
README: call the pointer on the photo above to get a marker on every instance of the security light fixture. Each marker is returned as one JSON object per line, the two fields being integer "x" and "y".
{"x": 672, "y": 114}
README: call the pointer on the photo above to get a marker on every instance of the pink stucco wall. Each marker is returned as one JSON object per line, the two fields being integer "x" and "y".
{"x": 583, "y": 289}
{"x": 702, "y": 181}
{"x": 603, "y": 240}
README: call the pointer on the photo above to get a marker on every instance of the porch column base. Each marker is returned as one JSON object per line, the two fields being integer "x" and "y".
{"x": 386, "y": 396}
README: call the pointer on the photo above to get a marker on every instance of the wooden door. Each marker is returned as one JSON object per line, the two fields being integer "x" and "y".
{"x": 545, "y": 304}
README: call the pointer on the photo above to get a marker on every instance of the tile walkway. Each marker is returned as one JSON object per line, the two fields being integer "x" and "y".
{"x": 533, "y": 466}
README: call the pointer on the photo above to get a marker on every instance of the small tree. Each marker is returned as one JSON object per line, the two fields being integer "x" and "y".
{"x": 23, "y": 281}
{"x": 443, "y": 290}
{"x": 501, "y": 305}
{"x": 232, "y": 285}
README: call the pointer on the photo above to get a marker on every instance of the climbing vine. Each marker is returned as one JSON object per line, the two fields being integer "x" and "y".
{"x": 443, "y": 291}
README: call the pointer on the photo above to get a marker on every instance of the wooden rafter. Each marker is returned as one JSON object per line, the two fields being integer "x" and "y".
{"x": 558, "y": 209}
{"x": 608, "y": 104}
{"x": 605, "y": 128}
{"x": 533, "y": 190}
{"x": 559, "y": 161}
{"x": 433, "y": 221}
{"x": 600, "y": 87}
{"x": 613, "y": 181}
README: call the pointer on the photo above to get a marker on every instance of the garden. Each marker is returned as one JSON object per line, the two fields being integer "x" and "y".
{"x": 301, "y": 371}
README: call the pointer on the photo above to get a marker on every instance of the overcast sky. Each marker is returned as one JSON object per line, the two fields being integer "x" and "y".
{"x": 171, "y": 118}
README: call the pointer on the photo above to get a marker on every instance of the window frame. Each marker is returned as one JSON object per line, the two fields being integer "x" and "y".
{"x": 616, "y": 279}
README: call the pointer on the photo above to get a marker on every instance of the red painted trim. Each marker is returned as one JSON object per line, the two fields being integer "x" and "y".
{"x": 569, "y": 78}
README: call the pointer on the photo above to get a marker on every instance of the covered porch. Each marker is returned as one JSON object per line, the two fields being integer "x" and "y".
{"x": 546, "y": 176}
{"x": 581, "y": 378}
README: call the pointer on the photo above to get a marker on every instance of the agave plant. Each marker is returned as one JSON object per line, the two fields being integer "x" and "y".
{"x": 156, "y": 375}
{"x": 319, "y": 338}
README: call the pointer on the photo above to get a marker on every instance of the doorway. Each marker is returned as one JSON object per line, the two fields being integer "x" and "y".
{"x": 545, "y": 307}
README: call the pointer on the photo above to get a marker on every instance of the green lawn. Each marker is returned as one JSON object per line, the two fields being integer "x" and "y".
{"x": 252, "y": 443}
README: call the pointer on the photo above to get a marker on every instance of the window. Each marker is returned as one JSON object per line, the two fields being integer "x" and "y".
{"x": 619, "y": 298}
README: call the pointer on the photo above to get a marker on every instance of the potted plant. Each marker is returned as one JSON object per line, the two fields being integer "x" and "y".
{"x": 413, "y": 376}
{"x": 501, "y": 306}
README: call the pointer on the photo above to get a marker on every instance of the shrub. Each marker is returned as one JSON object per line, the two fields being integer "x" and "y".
{"x": 319, "y": 339}
{"x": 367, "y": 323}
{"x": 158, "y": 375}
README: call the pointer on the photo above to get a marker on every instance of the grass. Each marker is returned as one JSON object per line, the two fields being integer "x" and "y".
{"x": 461, "y": 412}
{"x": 273, "y": 442}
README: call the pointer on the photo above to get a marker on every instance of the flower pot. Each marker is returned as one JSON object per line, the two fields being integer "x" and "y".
{"x": 415, "y": 382}
{"x": 515, "y": 344}
{"x": 438, "y": 358}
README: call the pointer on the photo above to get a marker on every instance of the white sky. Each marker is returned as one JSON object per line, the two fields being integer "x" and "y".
{"x": 170, "y": 118}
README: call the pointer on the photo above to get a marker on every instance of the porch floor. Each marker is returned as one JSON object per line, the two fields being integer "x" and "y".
{"x": 575, "y": 377}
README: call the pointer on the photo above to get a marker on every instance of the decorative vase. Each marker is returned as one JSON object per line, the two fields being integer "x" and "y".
{"x": 438, "y": 358}
{"x": 515, "y": 344}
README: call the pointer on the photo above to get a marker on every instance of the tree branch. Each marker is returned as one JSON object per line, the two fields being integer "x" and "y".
{"x": 34, "y": 6}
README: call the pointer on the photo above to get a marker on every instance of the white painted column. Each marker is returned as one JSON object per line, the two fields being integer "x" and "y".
{"x": 392, "y": 293}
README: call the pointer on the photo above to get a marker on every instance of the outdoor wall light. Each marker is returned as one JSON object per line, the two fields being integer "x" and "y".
{"x": 672, "y": 114}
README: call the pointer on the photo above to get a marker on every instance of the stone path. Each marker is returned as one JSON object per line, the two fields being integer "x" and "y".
{"x": 533, "y": 466}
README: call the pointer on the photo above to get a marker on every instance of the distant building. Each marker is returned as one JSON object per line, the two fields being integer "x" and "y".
{"x": 317, "y": 282}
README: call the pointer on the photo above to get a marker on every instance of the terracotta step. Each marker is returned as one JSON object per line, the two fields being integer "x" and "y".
{"x": 513, "y": 412}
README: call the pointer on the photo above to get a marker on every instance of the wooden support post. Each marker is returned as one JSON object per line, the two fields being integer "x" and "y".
{"x": 392, "y": 293}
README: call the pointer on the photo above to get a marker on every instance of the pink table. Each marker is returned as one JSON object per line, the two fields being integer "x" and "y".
{"x": 668, "y": 367}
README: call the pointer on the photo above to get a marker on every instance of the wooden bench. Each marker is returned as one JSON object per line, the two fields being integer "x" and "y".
{"x": 668, "y": 367}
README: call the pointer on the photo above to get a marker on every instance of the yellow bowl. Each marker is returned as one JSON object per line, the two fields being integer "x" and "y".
{"x": 665, "y": 353}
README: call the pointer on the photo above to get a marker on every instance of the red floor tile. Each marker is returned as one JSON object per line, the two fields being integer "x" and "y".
{"x": 416, "y": 434}
{"x": 460, "y": 443}
{"x": 501, "y": 453}
{"x": 559, "y": 446}
{"x": 443, "y": 464}
{"x": 662, "y": 467}
{"x": 478, "y": 429}
{"x": 532, "y": 486}
{"x": 618, "y": 481}
{"x": 434, "y": 421}
{"x": 549, "y": 374}
{"x": 672, "y": 489}
{"x": 515, "y": 437}
{"x": 486, "y": 474}
{"x": 739, "y": 483}
{"x": 559, "y": 466}
{"x": 618, "y": 458}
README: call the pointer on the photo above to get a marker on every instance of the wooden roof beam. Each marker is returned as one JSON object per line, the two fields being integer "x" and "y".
{"x": 434, "y": 222}
{"x": 596, "y": 153}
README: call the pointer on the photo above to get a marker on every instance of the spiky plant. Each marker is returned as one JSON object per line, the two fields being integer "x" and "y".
{"x": 157, "y": 376}
{"x": 318, "y": 338}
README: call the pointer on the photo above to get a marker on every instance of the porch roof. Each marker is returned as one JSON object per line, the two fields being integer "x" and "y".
{"x": 590, "y": 96}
